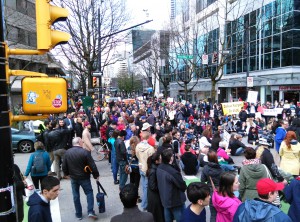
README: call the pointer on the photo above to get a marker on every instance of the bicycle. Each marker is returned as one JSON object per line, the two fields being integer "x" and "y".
{"x": 100, "y": 151}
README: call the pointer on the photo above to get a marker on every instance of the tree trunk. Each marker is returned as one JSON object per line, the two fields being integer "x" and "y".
{"x": 213, "y": 91}
{"x": 165, "y": 91}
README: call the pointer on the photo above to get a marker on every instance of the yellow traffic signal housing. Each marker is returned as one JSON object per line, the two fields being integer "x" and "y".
{"x": 44, "y": 95}
{"x": 47, "y": 15}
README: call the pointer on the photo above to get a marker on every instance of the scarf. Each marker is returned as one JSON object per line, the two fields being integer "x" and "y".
{"x": 251, "y": 161}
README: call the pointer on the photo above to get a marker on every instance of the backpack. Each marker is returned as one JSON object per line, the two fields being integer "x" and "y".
{"x": 38, "y": 163}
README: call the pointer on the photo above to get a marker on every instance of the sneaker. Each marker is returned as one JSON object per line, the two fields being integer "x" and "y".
{"x": 116, "y": 182}
{"x": 93, "y": 216}
{"x": 79, "y": 218}
{"x": 139, "y": 200}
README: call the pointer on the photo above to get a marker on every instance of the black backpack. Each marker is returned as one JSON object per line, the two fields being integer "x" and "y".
{"x": 38, "y": 163}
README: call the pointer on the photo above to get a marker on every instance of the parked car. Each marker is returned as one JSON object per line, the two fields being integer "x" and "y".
{"x": 23, "y": 140}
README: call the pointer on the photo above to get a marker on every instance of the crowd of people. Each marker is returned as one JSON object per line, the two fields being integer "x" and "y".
{"x": 153, "y": 144}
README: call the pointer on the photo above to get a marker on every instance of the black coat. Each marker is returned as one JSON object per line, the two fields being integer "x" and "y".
{"x": 214, "y": 171}
{"x": 154, "y": 203}
{"x": 78, "y": 129}
{"x": 171, "y": 186}
{"x": 75, "y": 160}
{"x": 58, "y": 139}
{"x": 190, "y": 163}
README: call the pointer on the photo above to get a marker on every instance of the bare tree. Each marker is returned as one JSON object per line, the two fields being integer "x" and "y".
{"x": 83, "y": 49}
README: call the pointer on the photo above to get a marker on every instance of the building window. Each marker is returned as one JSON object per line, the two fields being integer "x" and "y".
{"x": 286, "y": 57}
{"x": 287, "y": 40}
{"x": 296, "y": 56}
{"x": 276, "y": 59}
{"x": 267, "y": 61}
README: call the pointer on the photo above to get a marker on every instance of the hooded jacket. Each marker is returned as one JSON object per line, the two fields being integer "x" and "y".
{"x": 225, "y": 206}
{"x": 259, "y": 211}
{"x": 143, "y": 150}
{"x": 292, "y": 195}
{"x": 249, "y": 175}
{"x": 39, "y": 210}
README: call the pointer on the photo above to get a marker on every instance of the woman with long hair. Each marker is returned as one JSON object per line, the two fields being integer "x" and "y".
{"x": 224, "y": 200}
{"x": 290, "y": 154}
{"x": 134, "y": 162}
{"x": 154, "y": 203}
{"x": 211, "y": 174}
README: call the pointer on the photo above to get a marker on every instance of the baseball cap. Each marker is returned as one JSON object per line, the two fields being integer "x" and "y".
{"x": 146, "y": 126}
{"x": 266, "y": 185}
{"x": 143, "y": 117}
{"x": 86, "y": 123}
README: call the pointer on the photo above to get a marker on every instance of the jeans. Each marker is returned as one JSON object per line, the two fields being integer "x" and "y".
{"x": 115, "y": 167}
{"x": 123, "y": 175}
{"x": 88, "y": 190}
{"x": 239, "y": 151}
{"x": 173, "y": 213}
{"x": 227, "y": 167}
{"x": 144, "y": 180}
{"x": 58, "y": 158}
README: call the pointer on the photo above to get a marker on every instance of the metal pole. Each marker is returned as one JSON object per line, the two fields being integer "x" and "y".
{"x": 247, "y": 52}
{"x": 7, "y": 203}
{"x": 99, "y": 56}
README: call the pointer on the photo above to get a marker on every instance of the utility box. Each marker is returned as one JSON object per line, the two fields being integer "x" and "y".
{"x": 44, "y": 95}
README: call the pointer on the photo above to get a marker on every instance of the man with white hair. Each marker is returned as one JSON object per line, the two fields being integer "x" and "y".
{"x": 105, "y": 115}
{"x": 78, "y": 163}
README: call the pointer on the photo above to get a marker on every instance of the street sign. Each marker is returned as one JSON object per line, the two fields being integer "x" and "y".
{"x": 249, "y": 81}
{"x": 204, "y": 59}
{"x": 184, "y": 56}
{"x": 97, "y": 74}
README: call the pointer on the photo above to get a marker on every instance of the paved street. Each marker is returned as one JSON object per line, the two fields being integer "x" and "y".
{"x": 113, "y": 203}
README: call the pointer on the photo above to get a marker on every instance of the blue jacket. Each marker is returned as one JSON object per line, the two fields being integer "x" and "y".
{"x": 259, "y": 211}
{"x": 39, "y": 210}
{"x": 280, "y": 135}
{"x": 47, "y": 164}
{"x": 292, "y": 195}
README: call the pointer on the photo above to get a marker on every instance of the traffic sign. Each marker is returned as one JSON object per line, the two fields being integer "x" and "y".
{"x": 97, "y": 74}
{"x": 205, "y": 59}
{"x": 184, "y": 56}
{"x": 249, "y": 81}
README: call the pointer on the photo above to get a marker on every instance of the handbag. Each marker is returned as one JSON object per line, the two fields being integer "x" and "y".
{"x": 100, "y": 198}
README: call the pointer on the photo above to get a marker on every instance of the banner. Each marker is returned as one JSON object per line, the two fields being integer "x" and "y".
{"x": 272, "y": 112}
{"x": 232, "y": 108}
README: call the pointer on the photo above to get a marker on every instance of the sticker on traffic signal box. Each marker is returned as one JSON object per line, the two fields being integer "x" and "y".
{"x": 57, "y": 102}
{"x": 44, "y": 95}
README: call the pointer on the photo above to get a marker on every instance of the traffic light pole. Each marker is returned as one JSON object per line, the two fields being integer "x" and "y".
{"x": 7, "y": 203}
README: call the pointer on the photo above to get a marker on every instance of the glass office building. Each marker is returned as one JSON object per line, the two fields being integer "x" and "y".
{"x": 264, "y": 42}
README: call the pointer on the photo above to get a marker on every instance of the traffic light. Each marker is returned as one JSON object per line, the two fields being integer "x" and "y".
{"x": 46, "y": 16}
{"x": 215, "y": 57}
{"x": 94, "y": 82}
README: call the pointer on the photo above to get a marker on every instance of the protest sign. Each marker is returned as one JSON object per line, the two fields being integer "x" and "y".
{"x": 232, "y": 108}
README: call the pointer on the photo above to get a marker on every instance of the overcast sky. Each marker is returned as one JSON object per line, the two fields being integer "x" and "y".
{"x": 158, "y": 10}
